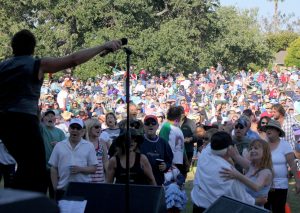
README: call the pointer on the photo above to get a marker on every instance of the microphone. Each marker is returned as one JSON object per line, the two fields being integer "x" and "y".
{"x": 124, "y": 41}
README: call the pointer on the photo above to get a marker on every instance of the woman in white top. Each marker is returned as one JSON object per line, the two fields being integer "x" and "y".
{"x": 282, "y": 154}
{"x": 93, "y": 130}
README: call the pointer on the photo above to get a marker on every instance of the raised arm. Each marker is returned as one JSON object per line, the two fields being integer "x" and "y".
{"x": 52, "y": 65}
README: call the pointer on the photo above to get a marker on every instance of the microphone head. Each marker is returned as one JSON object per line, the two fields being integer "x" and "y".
{"x": 124, "y": 41}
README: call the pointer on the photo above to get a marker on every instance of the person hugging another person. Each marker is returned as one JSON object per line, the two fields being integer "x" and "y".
{"x": 209, "y": 184}
{"x": 258, "y": 169}
{"x": 93, "y": 130}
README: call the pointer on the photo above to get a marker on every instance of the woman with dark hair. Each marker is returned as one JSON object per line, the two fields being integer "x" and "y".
{"x": 140, "y": 168}
{"x": 261, "y": 127}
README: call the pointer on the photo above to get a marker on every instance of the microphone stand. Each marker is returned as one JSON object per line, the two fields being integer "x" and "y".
{"x": 128, "y": 138}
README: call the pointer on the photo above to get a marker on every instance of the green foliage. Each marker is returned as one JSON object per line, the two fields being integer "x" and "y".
{"x": 293, "y": 54}
{"x": 281, "y": 40}
{"x": 185, "y": 34}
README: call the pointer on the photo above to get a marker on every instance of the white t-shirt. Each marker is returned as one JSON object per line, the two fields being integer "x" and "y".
{"x": 61, "y": 97}
{"x": 64, "y": 156}
{"x": 280, "y": 180}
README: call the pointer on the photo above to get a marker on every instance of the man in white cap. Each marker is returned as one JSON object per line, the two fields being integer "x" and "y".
{"x": 72, "y": 159}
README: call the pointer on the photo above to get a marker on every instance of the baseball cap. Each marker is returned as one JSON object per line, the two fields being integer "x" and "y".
{"x": 150, "y": 117}
{"x": 77, "y": 121}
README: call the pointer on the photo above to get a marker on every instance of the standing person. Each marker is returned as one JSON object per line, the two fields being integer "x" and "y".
{"x": 112, "y": 132}
{"x": 72, "y": 160}
{"x": 286, "y": 121}
{"x": 93, "y": 130}
{"x": 51, "y": 136}
{"x": 140, "y": 168}
{"x": 261, "y": 127}
{"x": 188, "y": 127}
{"x": 157, "y": 150}
{"x": 282, "y": 154}
{"x": 21, "y": 78}
{"x": 171, "y": 133}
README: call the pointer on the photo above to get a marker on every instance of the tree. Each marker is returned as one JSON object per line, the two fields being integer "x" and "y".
{"x": 281, "y": 40}
{"x": 293, "y": 54}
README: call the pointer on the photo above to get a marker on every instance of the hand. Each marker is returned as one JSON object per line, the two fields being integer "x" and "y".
{"x": 228, "y": 174}
{"x": 261, "y": 201}
{"x": 53, "y": 143}
{"x": 233, "y": 151}
{"x": 113, "y": 45}
{"x": 75, "y": 169}
{"x": 162, "y": 167}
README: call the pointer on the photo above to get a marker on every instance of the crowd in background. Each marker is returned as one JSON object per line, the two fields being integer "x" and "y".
{"x": 244, "y": 107}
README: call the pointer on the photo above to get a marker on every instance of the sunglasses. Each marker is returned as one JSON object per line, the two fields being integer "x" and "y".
{"x": 76, "y": 127}
{"x": 97, "y": 127}
{"x": 238, "y": 126}
{"x": 264, "y": 123}
{"x": 147, "y": 123}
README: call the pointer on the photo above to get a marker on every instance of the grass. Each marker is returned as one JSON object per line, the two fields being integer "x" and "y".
{"x": 292, "y": 199}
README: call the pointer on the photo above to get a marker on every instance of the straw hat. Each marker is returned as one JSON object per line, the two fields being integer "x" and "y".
{"x": 66, "y": 115}
{"x": 275, "y": 124}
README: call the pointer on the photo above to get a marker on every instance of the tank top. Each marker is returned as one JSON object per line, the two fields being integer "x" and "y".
{"x": 136, "y": 175}
{"x": 19, "y": 85}
{"x": 261, "y": 193}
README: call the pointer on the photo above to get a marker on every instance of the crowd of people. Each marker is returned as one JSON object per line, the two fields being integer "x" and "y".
{"x": 243, "y": 129}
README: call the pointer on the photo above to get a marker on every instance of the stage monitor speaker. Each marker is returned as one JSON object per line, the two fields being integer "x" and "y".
{"x": 111, "y": 197}
{"x": 16, "y": 201}
{"x": 227, "y": 204}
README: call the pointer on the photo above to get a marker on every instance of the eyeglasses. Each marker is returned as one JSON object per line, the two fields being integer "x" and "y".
{"x": 73, "y": 127}
{"x": 264, "y": 123}
{"x": 97, "y": 127}
{"x": 147, "y": 123}
{"x": 238, "y": 126}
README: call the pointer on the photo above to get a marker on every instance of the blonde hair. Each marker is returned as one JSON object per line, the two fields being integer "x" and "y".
{"x": 266, "y": 161}
{"x": 89, "y": 124}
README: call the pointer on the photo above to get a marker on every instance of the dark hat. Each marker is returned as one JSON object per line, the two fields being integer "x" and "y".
{"x": 49, "y": 112}
{"x": 242, "y": 122}
{"x": 122, "y": 138}
{"x": 275, "y": 124}
{"x": 220, "y": 141}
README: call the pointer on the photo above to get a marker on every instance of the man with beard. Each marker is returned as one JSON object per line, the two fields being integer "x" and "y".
{"x": 157, "y": 150}
{"x": 72, "y": 159}
{"x": 51, "y": 135}
{"x": 287, "y": 122}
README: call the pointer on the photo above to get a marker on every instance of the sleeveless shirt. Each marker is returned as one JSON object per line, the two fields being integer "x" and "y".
{"x": 136, "y": 172}
{"x": 19, "y": 85}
